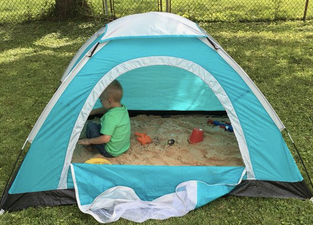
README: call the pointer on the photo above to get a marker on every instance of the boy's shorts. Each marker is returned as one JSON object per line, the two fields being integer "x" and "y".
{"x": 93, "y": 131}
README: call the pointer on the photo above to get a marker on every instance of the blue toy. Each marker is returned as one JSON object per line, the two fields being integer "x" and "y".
{"x": 225, "y": 126}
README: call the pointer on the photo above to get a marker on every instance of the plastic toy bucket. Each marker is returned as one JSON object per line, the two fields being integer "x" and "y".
{"x": 196, "y": 136}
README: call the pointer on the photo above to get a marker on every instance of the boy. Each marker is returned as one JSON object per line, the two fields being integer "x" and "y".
{"x": 112, "y": 136}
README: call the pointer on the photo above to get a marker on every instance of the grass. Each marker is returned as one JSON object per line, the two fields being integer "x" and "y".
{"x": 24, "y": 10}
{"x": 198, "y": 10}
{"x": 277, "y": 56}
{"x": 239, "y": 10}
{"x": 220, "y": 10}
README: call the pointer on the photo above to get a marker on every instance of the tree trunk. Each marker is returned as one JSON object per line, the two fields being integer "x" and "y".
{"x": 70, "y": 8}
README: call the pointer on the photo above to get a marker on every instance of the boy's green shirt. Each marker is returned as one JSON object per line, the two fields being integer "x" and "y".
{"x": 116, "y": 123}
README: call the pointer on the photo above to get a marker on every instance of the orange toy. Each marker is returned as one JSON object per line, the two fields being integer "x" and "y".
{"x": 143, "y": 138}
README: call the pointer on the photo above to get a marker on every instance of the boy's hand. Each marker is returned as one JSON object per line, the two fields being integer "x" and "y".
{"x": 95, "y": 141}
{"x": 84, "y": 142}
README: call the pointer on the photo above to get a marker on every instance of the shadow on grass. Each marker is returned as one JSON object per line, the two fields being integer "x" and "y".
{"x": 33, "y": 58}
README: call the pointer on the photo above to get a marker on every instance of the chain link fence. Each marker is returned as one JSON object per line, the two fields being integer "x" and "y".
{"x": 17, "y": 11}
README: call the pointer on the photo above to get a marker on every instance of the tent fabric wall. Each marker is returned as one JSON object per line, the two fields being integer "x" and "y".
{"x": 182, "y": 91}
{"x": 280, "y": 167}
{"x": 108, "y": 192}
{"x": 89, "y": 44}
{"x": 142, "y": 62}
{"x": 151, "y": 25}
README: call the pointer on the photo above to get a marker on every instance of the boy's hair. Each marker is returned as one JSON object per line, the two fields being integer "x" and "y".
{"x": 114, "y": 91}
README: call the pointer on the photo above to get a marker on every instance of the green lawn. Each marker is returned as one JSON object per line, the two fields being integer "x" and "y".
{"x": 23, "y": 10}
{"x": 277, "y": 56}
{"x": 200, "y": 10}
{"x": 239, "y": 10}
{"x": 219, "y": 10}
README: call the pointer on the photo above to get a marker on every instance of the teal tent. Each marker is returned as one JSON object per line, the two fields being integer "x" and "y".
{"x": 165, "y": 63}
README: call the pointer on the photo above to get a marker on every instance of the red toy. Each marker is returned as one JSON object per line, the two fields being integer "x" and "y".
{"x": 196, "y": 136}
{"x": 143, "y": 138}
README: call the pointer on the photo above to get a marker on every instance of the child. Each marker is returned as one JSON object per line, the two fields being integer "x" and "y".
{"x": 112, "y": 136}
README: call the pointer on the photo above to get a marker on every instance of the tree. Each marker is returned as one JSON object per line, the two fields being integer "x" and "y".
{"x": 71, "y": 8}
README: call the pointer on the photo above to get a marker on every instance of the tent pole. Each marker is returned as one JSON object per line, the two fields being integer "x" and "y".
{"x": 10, "y": 176}
{"x": 294, "y": 145}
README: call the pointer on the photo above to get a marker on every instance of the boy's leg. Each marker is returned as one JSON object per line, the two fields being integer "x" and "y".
{"x": 105, "y": 153}
{"x": 93, "y": 131}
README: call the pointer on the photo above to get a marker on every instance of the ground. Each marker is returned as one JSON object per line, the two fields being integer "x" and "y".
{"x": 218, "y": 148}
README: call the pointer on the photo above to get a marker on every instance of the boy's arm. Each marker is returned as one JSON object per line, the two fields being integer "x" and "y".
{"x": 95, "y": 141}
{"x": 98, "y": 111}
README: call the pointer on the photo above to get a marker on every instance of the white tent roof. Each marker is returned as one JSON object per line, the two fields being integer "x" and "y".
{"x": 150, "y": 25}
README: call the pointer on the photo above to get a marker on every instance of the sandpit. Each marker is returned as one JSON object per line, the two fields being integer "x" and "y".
{"x": 218, "y": 148}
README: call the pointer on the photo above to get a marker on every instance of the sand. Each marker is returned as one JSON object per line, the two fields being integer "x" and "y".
{"x": 218, "y": 148}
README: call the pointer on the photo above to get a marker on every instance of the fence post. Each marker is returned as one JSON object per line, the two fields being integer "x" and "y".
{"x": 112, "y": 9}
{"x": 168, "y": 6}
{"x": 305, "y": 9}
{"x": 105, "y": 7}
{"x": 170, "y": 1}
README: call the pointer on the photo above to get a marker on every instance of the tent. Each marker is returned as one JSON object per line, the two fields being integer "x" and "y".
{"x": 165, "y": 63}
